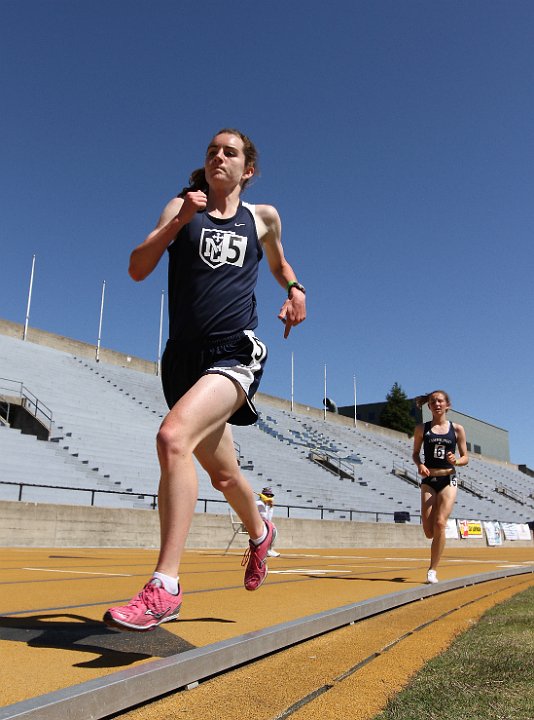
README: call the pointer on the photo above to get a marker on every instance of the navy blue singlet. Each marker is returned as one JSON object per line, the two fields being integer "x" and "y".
{"x": 436, "y": 447}
{"x": 213, "y": 270}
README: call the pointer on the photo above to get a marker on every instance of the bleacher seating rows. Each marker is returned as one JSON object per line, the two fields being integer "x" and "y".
{"x": 105, "y": 422}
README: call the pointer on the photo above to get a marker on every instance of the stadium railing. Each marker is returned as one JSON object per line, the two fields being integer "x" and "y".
{"x": 320, "y": 511}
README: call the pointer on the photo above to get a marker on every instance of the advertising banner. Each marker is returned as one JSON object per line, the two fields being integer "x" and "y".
{"x": 470, "y": 529}
{"x": 510, "y": 531}
{"x": 493, "y": 533}
{"x": 523, "y": 532}
{"x": 475, "y": 529}
{"x": 463, "y": 528}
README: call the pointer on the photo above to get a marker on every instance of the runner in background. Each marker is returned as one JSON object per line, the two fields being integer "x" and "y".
{"x": 440, "y": 440}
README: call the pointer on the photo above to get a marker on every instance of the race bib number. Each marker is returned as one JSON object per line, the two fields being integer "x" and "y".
{"x": 439, "y": 452}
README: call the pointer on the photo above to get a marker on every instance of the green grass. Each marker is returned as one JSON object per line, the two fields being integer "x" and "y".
{"x": 486, "y": 674}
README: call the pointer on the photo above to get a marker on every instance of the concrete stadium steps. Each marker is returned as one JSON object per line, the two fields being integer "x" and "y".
{"x": 141, "y": 388}
{"x": 286, "y": 466}
{"x": 24, "y": 459}
{"x": 381, "y": 450}
{"x": 106, "y": 417}
{"x": 378, "y": 454}
{"x": 485, "y": 473}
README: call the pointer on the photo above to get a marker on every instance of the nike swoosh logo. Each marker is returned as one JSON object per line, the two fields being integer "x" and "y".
{"x": 240, "y": 224}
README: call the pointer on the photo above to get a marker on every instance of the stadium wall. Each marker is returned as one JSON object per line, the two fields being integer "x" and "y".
{"x": 60, "y": 526}
{"x": 75, "y": 347}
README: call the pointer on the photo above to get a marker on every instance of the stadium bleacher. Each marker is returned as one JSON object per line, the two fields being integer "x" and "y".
{"x": 105, "y": 419}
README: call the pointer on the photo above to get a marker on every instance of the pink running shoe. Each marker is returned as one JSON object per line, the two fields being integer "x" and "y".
{"x": 151, "y": 607}
{"x": 255, "y": 558}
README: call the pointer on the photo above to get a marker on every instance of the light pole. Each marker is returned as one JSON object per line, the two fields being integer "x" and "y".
{"x": 292, "y": 380}
{"x": 97, "y": 356}
{"x": 324, "y": 401}
{"x": 27, "y": 319}
{"x": 355, "y": 413}
{"x": 158, "y": 366}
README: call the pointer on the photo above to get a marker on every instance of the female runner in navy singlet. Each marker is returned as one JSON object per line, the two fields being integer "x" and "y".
{"x": 213, "y": 361}
{"x": 439, "y": 439}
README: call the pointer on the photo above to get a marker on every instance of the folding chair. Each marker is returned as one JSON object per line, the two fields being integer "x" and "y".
{"x": 237, "y": 527}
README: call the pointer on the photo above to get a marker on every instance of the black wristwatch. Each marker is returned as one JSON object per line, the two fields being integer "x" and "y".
{"x": 295, "y": 284}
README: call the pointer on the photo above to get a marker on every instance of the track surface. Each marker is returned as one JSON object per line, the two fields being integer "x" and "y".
{"x": 51, "y": 636}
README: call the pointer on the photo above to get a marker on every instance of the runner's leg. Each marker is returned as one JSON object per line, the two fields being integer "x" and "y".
{"x": 428, "y": 501}
{"x": 443, "y": 508}
{"x": 217, "y": 456}
{"x": 200, "y": 413}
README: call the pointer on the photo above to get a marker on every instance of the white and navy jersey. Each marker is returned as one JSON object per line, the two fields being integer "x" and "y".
{"x": 437, "y": 446}
{"x": 213, "y": 270}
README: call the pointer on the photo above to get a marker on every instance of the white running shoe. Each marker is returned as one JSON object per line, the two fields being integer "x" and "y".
{"x": 431, "y": 577}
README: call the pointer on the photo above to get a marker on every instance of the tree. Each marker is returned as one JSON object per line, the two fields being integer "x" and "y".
{"x": 396, "y": 413}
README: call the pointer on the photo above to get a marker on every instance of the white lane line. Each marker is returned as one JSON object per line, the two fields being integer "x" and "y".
{"x": 77, "y": 572}
{"x": 318, "y": 556}
{"x": 473, "y": 561}
{"x": 306, "y": 571}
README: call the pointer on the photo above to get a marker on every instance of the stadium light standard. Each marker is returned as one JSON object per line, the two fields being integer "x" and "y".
{"x": 97, "y": 356}
{"x": 27, "y": 319}
{"x": 158, "y": 364}
{"x": 355, "y": 414}
{"x": 325, "y": 395}
{"x": 292, "y": 379}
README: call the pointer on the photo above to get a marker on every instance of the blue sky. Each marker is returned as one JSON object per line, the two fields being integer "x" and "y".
{"x": 396, "y": 140}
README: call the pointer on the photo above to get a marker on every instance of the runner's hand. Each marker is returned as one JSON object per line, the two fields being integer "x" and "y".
{"x": 293, "y": 312}
{"x": 193, "y": 202}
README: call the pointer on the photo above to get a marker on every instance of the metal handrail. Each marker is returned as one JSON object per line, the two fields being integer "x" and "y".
{"x": 4, "y": 419}
{"x": 320, "y": 509}
{"x": 508, "y": 492}
{"x": 29, "y": 401}
{"x": 408, "y": 473}
{"x": 341, "y": 465}
{"x": 21, "y": 485}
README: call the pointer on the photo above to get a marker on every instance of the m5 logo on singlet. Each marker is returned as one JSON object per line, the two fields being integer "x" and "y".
{"x": 222, "y": 247}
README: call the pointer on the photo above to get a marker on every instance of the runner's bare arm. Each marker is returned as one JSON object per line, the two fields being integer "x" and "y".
{"x": 461, "y": 444}
{"x": 293, "y": 310}
{"x": 416, "y": 456}
{"x": 177, "y": 213}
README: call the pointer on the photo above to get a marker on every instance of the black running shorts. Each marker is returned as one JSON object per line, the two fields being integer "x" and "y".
{"x": 240, "y": 357}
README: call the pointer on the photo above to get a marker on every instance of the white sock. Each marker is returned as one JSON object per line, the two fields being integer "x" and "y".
{"x": 169, "y": 583}
{"x": 259, "y": 540}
